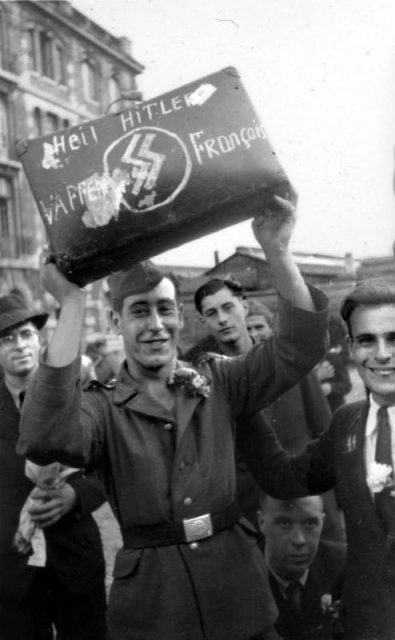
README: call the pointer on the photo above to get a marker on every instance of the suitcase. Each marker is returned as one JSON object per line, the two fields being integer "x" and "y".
{"x": 128, "y": 186}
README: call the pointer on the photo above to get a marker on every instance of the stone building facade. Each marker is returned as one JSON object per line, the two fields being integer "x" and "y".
{"x": 57, "y": 69}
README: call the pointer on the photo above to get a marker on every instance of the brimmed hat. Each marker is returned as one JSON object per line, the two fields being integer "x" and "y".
{"x": 14, "y": 311}
{"x": 141, "y": 278}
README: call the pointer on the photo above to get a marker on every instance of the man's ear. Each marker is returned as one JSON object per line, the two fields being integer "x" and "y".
{"x": 245, "y": 306}
{"x": 115, "y": 321}
{"x": 202, "y": 319}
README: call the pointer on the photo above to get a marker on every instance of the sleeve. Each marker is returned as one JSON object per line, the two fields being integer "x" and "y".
{"x": 56, "y": 425}
{"x": 89, "y": 492}
{"x": 253, "y": 381}
{"x": 279, "y": 473}
{"x": 318, "y": 415}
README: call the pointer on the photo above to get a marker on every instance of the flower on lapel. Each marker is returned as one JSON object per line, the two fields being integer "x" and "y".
{"x": 326, "y": 602}
{"x": 351, "y": 443}
{"x": 193, "y": 383}
{"x": 331, "y": 608}
{"x": 379, "y": 476}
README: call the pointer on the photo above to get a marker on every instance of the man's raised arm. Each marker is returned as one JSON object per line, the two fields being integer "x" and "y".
{"x": 65, "y": 344}
{"x": 273, "y": 230}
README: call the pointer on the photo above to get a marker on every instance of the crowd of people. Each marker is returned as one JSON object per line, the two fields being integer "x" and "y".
{"x": 254, "y": 501}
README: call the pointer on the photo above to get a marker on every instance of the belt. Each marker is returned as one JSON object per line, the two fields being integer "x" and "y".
{"x": 186, "y": 531}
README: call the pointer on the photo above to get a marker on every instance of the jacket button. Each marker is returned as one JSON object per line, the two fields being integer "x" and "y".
{"x": 168, "y": 426}
{"x": 187, "y": 502}
{"x": 182, "y": 465}
{"x": 194, "y": 545}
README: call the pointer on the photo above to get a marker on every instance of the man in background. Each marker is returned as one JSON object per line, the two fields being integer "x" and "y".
{"x": 64, "y": 592}
{"x": 298, "y": 415}
{"x": 306, "y": 572}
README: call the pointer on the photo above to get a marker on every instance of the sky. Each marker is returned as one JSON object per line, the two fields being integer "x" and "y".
{"x": 320, "y": 74}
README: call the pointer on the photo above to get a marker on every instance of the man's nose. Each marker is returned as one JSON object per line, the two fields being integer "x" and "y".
{"x": 384, "y": 350}
{"x": 222, "y": 317}
{"x": 19, "y": 341}
{"x": 155, "y": 321}
{"x": 298, "y": 537}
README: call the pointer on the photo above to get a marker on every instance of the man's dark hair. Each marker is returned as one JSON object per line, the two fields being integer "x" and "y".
{"x": 373, "y": 292}
{"x": 216, "y": 284}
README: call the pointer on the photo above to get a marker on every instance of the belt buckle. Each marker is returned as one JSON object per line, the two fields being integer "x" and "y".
{"x": 198, "y": 528}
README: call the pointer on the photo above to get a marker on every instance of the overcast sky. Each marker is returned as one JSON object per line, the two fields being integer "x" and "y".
{"x": 321, "y": 74}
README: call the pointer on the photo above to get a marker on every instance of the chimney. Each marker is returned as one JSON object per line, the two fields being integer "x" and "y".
{"x": 349, "y": 264}
{"x": 125, "y": 45}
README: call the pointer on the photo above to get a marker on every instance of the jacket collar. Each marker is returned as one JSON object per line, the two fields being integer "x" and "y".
{"x": 126, "y": 387}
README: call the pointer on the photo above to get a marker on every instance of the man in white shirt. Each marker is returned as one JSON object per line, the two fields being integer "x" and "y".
{"x": 356, "y": 457}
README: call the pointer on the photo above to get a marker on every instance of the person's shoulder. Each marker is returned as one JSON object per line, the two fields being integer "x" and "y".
{"x": 349, "y": 410}
{"x": 331, "y": 560}
{"x": 206, "y": 345}
{"x": 332, "y": 549}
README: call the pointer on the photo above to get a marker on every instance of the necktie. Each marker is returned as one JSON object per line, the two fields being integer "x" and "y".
{"x": 21, "y": 398}
{"x": 294, "y": 596}
{"x": 385, "y": 504}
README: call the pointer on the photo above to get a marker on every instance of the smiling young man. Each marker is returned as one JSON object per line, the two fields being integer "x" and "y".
{"x": 162, "y": 439}
{"x": 304, "y": 570}
{"x": 356, "y": 457}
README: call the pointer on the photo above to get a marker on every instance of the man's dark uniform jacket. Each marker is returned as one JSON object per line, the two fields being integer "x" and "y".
{"x": 325, "y": 577}
{"x": 336, "y": 460}
{"x": 74, "y": 548}
{"x": 161, "y": 468}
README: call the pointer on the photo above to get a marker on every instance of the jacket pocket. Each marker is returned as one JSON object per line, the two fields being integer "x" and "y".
{"x": 126, "y": 562}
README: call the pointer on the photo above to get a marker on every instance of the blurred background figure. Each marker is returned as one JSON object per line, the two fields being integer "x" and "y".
{"x": 259, "y": 321}
{"x": 306, "y": 572}
{"x": 105, "y": 362}
{"x": 332, "y": 371}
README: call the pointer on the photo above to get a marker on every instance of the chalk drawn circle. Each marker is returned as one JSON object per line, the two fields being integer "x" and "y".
{"x": 156, "y": 164}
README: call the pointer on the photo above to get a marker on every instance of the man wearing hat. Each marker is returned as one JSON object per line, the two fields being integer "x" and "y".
{"x": 162, "y": 439}
{"x": 60, "y": 583}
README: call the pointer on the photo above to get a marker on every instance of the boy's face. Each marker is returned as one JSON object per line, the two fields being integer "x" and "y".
{"x": 224, "y": 315}
{"x": 373, "y": 349}
{"x": 258, "y": 328}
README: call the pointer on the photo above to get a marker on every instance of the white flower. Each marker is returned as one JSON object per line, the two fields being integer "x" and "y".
{"x": 193, "y": 383}
{"x": 379, "y": 476}
{"x": 326, "y": 602}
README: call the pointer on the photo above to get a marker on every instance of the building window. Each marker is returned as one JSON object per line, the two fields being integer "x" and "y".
{"x": 59, "y": 63}
{"x": 5, "y": 232}
{"x": 1, "y": 39}
{"x": 90, "y": 80}
{"x": 37, "y": 122}
{"x": 4, "y": 136}
{"x": 31, "y": 34}
{"x": 50, "y": 123}
{"x": 46, "y": 55}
